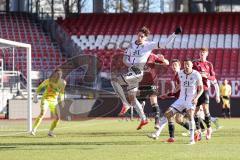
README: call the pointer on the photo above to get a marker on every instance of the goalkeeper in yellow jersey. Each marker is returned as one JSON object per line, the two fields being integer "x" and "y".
{"x": 52, "y": 97}
{"x": 225, "y": 93}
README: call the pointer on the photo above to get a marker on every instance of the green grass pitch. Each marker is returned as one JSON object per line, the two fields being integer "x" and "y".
{"x": 115, "y": 139}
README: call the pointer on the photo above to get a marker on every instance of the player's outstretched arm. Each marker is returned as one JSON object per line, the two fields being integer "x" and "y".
{"x": 171, "y": 38}
{"x": 39, "y": 89}
{"x": 42, "y": 85}
{"x": 156, "y": 45}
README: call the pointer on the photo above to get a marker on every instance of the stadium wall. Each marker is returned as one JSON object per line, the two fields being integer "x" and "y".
{"x": 105, "y": 107}
{"x": 215, "y": 109}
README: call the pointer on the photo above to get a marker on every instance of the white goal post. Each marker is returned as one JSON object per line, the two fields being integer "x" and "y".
{"x": 9, "y": 43}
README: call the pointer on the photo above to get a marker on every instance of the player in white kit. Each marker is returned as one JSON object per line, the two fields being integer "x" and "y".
{"x": 191, "y": 88}
{"x": 135, "y": 58}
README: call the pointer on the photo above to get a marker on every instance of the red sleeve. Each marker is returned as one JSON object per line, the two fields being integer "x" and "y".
{"x": 176, "y": 79}
{"x": 212, "y": 75}
{"x": 157, "y": 59}
{"x": 173, "y": 95}
{"x": 170, "y": 94}
{"x": 195, "y": 67}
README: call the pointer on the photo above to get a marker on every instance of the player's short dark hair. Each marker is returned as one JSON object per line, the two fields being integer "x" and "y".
{"x": 144, "y": 30}
{"x": 175, "y": 60}
{"x": 187, "y": 60}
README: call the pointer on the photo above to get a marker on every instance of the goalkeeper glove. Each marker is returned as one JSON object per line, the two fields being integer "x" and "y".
{"x": 178, "y": 30}
{"x": 35, "y": 98}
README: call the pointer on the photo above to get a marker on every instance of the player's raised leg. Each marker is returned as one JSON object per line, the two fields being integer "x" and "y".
{"x": 136, "y": 104}
{"x": 119, "y": 91}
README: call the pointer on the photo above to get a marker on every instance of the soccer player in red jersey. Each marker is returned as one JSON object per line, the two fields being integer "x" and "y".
{"x": 205, "y": 68}
{"x": 148, "y": 85}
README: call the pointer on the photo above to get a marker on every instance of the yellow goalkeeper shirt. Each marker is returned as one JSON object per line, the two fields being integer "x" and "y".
{"x": 52, "y": 90}
{"x": 225, "y": 90}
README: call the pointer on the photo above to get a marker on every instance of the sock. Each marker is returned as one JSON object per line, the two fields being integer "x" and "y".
{"x": 53, "y": 125}
{"x": 156, "y": 111}
{"x": 119, "y": 90}
{"x": 215, "y": 121}
{"x": 37, "y": 123}
{"x": 139, "y": 109}
{"x": 197, "y": 122}
{"x": 163, "y": 122}
{"x": 171, "y": 129}
{"x": 208, "y": 120}
{"x": 185, "y": 125}
{"x": 191, "y": 129}
{"x": 141, "y": 99}
{"x": 228, "y": 112}
{"x": 202, "y": 125}
{"x": 223, "y": 113}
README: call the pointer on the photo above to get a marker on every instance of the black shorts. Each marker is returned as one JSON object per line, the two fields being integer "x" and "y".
{"x": 204, "y": 98}
{"x": 147, "y": 91}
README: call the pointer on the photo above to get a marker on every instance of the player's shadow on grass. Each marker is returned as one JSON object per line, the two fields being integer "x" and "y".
{"x": 52, "y": 144}
{"x": 103, "y": 134}
{"x": 81, "y": 134}
{"x": 7, "y": 148}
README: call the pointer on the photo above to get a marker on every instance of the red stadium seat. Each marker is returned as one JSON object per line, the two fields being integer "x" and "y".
{"x": 19, "y": 27}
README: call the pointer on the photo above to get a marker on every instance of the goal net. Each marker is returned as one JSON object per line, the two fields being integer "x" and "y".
{"x": 15, "y": 87}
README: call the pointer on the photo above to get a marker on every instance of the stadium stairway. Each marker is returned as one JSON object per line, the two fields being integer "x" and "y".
{"x": 20, "y": 27}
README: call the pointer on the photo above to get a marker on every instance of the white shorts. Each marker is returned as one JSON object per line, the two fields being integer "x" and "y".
{"x": 130, "y": 79}
{"x": 179, "y": 105}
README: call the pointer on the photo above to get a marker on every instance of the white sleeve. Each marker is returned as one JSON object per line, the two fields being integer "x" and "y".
{"x": 126, "y": 58}
{"x": 169, "y": 40}
{"x": 199, "y": 79}
{"x": 153, "y": 45}
{"x": 216, "y": 87}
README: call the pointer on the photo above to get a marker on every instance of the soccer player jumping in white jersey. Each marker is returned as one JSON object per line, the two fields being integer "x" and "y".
{"x": 135, "y": 58}
{"x": 191, "y": 88}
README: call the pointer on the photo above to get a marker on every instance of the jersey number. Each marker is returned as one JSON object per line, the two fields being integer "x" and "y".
{"x": 186, "y": 83}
